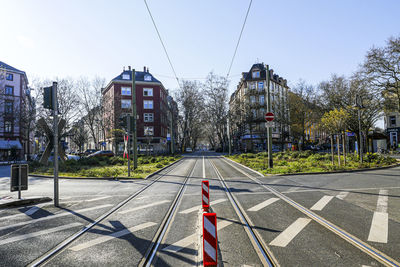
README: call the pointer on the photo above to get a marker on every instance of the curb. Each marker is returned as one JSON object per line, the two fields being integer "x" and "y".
{"x": 312, "y": 173}
{"x": 104, "y": 178}
{"x": 22, "y": 202}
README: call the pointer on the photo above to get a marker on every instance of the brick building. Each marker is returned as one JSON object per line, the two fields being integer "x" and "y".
{"x": 17, "y": 113}
{"x": 152, "y": 111}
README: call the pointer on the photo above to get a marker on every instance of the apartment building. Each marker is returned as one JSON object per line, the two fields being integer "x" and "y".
{"x": 17, "y": 113}
{"x": 152, "y": 111}
{"x": 248, "y": 105}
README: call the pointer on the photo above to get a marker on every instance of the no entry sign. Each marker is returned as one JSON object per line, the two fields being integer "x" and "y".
{"x": 269, "y": 116}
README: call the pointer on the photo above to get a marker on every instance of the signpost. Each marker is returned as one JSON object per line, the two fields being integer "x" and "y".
{"x": 19, "y": 178}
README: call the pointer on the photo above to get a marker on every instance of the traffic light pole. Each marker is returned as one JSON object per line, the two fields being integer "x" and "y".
{"x": 55, "y": 121}
{"x": 129, "y": 145}
{"x": 133, "y": 123}
{"x": 269, "y": 129}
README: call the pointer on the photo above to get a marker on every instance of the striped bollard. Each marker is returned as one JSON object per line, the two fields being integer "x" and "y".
{"x": 205, "y": 193}
{"x": 210, "y": 241}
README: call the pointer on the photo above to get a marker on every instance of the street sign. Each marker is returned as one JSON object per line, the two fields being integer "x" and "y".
{"x": 269, "y": 116}
{"x": 19, "y": 178}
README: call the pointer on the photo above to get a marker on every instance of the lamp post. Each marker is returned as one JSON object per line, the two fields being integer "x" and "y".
{"x": 359, "y": 105}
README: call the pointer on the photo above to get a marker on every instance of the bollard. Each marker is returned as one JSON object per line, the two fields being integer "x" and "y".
{"x": 205, "y": 193}
{"x": 210, "y": 241}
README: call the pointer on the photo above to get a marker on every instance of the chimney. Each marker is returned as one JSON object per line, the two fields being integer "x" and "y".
{"x": 129, "y": 68}
{"x": 147, "y": 69}
{"x": 123, "y": 68}
{"x": 144, "y": 69}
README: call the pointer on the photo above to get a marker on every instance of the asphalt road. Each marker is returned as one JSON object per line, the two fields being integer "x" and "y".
{"x": 365, "y": 205}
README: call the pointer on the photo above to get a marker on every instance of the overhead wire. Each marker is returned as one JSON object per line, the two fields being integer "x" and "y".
{"x": 240, "y": 36}
{"x": 162, "y": 43}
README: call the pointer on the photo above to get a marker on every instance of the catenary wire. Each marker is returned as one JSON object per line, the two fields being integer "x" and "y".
{"x": 240, "y": 36}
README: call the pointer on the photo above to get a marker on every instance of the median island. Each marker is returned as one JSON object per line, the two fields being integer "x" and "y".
{"x": 310, "y": 162}
{"x": 104, "y": 167}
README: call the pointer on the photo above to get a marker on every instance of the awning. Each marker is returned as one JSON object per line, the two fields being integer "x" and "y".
{"x": 4, "y": 144}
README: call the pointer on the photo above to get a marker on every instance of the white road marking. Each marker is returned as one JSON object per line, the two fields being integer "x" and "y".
{"x": 292, "y": 189}
{"x": 112, "y": 236}
{"x": 321, "y": 203}
{"x": 342, "y": 195}
{"x": 263, "y": 204}
{"x": 99, "y": 198}
{"x": 35, "y": 234}
{"x": 143, "y": 207}
{"x": 32, "y": 210}
{"x": 187, "y": 241}
{"x": 379, "y": 225}
{"x": 53, "y": 216}
{"x": 199, "y": 206}
{"x": 284, "y": 238}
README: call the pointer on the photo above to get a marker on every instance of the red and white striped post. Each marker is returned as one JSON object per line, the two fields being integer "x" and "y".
{"x": 210, "y": 241}
{"x": 205, "y": 194}
{"x": 126, "y": 147}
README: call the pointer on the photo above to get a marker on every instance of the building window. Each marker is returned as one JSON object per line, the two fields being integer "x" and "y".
{"x": 9, "y": 90}
{"x": 125, "y": 103}
{"x": 147, "y": 78}
{"x": 7, "y": 126}
{"x": 261, "y": 85}
{"x": 125, "y": 91}
{"x": 254, "y": 113}
{"x": 392, "y": 120}
{"x": 252, "y": 85}
{"x": 256, "y": 74}
{"x": 252, "y": 99}
{"x": 148, "y": 91}
{"x": 8, "y": 107}
{"x": 148, "y": 104}
{"x": 262, "y": 99}
{"x": 148, "y": 117}
{"x": 148, "y": 130}
{"x": 9, "y": 77}
{"x": 126, "y": 77}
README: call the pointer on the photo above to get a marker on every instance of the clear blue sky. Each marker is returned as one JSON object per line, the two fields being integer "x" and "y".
{"x": 298, "y": 39}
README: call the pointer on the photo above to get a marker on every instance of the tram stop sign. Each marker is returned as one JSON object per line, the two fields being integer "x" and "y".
{"x": 269, "y": 116}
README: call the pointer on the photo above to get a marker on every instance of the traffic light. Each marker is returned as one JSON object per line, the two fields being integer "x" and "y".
{"x": 48, "y": 97}
{"x": 123, "y": 122}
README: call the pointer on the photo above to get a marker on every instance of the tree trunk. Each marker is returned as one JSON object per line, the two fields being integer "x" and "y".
{"x": 338, "y": 148}
{"x": 332, "y": 153}
{"x": 344, "y": 148}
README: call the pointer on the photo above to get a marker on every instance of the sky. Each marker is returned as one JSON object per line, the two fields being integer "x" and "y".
{"x": 307, "y": 39}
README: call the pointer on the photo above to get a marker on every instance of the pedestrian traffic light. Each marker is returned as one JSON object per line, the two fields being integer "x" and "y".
{"x": 48, "y": 97}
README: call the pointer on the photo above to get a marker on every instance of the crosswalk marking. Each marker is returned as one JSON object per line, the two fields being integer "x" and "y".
{"x": 53, "y": 216}
{"x": 187, "y": 241}
{"x": 143, "y": 207}
{"x": 263, "y": 204}
{"x": 35, "y": 234}
{"x": 199, "y": 206}
{"x": 284, "y": 238}
{"x": 380, "y": 220}
{"x": 321, "y": 203}
{"x": 342, "y": 195}
{"x": 112, "y": 236}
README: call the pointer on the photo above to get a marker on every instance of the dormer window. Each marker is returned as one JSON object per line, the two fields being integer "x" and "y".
{"x": 256, "y": 74}
{"x": 125, "y": 77}
{"x": 147, "y": 77}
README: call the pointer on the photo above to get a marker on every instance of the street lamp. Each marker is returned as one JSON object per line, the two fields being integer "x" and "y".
{"x": 359, "y": 105}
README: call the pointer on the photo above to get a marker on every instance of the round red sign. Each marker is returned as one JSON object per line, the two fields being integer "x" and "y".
{"x": 269, "y": 116}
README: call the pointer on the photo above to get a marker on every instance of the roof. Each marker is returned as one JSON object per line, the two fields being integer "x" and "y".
{"x": 259, "y": 66}
{"x": 139, "y": 76}
{"x": 8, "y": 67}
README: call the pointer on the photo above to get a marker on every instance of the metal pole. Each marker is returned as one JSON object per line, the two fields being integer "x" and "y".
{"x": 19, "y": 181}
{"x": 134, "y": 128}
{"x": 172, "y": 131}
{"x": 55, "y": 120}
{"x": 129, "y": 144}
{"x": 358, "y": 101}
{"x": 269, "y": 130}
{"x": 229, "y": 136}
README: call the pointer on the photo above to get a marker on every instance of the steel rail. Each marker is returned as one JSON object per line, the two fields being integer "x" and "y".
{"x": 364, "y": 247}
{"x": 159, "y": 236}
{"x": 265, "y": 254}
{"x": 60, "y": 247}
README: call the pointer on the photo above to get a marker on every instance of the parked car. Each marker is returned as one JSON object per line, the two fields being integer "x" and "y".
{"x": 90, "y": 151}
{"x": 102, "y": 153}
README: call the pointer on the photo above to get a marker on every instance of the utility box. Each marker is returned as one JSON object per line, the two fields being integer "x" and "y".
{"x": 19, "y": 177}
